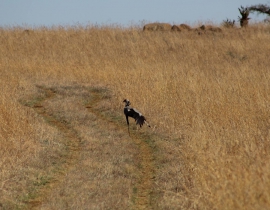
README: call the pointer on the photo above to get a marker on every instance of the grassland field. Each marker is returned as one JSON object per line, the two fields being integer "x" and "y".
{"x": 63, "y": 135}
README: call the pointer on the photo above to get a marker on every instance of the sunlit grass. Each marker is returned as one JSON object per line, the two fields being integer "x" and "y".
{"x": 207, "y": 94}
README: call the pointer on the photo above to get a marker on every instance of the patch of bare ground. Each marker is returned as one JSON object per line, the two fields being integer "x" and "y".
{"x": 102, "y": 167}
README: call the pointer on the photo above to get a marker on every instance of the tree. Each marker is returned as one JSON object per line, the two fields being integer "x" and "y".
{"x": 244, "y": 11}
{"x": 260, "y": 9}
{"x": 228, "y": 23}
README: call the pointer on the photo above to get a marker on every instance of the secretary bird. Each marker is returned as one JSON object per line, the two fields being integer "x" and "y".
{"x": 134, "y": 113}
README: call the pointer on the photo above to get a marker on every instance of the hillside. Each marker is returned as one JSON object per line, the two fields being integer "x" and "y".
{"x": 63, "y": 135}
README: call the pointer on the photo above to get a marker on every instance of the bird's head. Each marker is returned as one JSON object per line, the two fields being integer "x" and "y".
{"x": 127, "y": 102}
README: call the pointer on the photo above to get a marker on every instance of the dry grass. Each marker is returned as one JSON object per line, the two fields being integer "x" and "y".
{"x": 207, "y": 96}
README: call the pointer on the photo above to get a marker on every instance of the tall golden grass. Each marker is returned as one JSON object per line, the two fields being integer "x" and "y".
{"x": 207, "y": 95}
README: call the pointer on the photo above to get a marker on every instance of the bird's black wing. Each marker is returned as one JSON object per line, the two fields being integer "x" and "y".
{"x": 139, "y": 118}
{"x": 134, "y": 113}
{"x": 130, "y": 112}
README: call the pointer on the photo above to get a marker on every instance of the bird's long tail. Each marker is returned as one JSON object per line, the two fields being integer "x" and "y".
{"x": 141, "y": 120}
{"x": 147, "y": 123}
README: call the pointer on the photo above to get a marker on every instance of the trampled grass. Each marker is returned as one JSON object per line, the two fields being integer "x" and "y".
{"x": 206, "y": 96}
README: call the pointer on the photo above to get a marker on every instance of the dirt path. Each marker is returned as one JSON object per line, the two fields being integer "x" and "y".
{"x": 71, "y": 140}
{"x": 145, "y": 184}
{"x": 143, "y": 187}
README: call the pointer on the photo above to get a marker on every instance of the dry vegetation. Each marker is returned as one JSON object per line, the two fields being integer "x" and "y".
{"x": 207, "y": 97}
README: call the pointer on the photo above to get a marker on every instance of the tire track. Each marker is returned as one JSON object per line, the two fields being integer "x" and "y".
{"x": 72, "y": 147}
{"x": 143, "y": 189}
